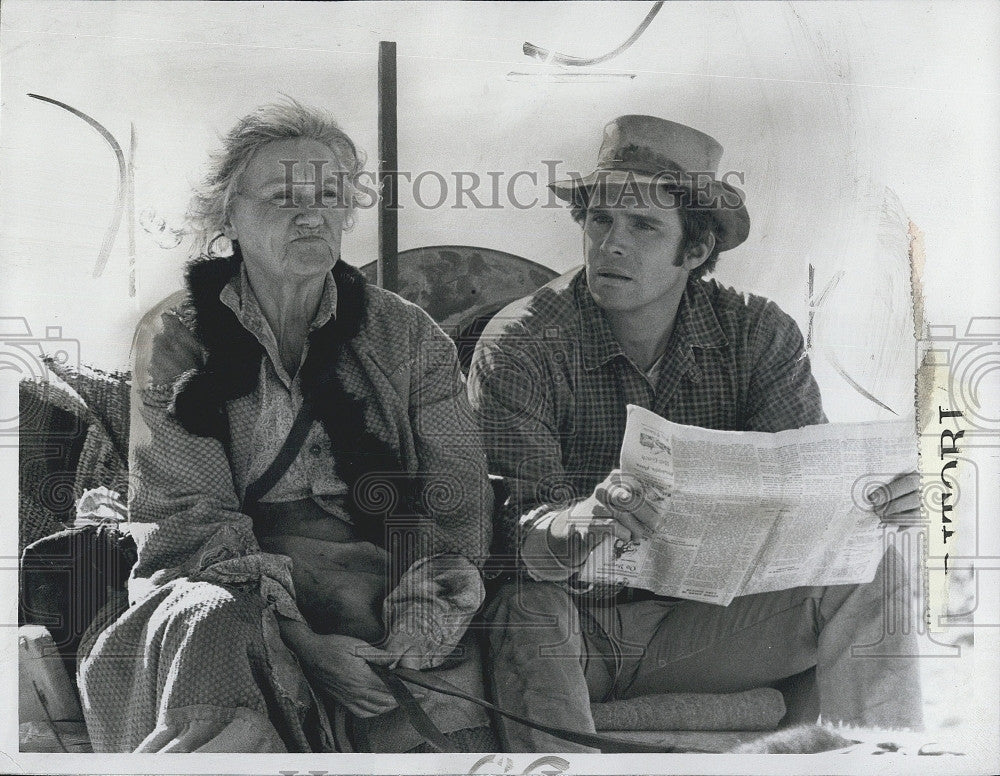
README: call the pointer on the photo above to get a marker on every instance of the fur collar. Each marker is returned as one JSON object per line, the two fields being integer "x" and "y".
{"x": 232, "y": 366}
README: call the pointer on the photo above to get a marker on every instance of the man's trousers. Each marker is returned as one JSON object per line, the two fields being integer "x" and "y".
{"x": 551, "y": 654}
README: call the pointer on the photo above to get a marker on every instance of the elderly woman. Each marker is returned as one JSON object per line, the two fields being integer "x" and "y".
{"x": 309, "y": 494}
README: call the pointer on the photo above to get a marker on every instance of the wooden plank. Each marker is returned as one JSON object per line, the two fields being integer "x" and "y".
{"x": 388, "y": 222}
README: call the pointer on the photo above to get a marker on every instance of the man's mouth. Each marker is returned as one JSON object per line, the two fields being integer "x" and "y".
{"x": 606, "y": 273}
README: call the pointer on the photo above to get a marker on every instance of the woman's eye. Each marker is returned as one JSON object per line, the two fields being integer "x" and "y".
{"x": 601, "y": 218}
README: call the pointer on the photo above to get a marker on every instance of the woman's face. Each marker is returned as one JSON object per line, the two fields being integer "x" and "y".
{"x": 288, "y": 210}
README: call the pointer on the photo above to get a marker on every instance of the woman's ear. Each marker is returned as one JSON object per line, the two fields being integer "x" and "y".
{"x": 227, "y": 216}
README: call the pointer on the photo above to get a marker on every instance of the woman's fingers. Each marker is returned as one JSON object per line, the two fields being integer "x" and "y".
{"x": 367, "y": 709}
{"x": 898, "y": 503}
{"x": 361, "y": 699}
{"x": 376, "y": 656}
{"x": 344, "y": 673}
{"x": 620, "y": 493}
{"x": 377, "y": 704}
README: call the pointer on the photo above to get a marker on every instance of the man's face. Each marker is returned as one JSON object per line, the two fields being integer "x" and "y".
{"x": 632, "y": 250}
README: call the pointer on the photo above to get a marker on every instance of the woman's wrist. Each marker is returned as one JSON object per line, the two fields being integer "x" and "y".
{"x": 295, "y": 632}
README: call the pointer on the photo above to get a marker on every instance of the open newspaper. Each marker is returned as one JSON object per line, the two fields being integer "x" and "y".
{"x": 745, "y": 512}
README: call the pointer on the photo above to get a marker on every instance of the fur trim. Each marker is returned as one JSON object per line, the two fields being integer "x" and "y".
{"x": 233, "y": 354}
{"x": 197, "y": 403}
{"x": 232, "y": 367}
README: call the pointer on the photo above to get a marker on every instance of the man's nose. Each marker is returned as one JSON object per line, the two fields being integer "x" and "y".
{"x": 615, "y": 239}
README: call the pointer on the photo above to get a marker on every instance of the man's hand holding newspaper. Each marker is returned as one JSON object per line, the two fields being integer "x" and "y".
{"x": 617, "y": 511}
{"x": 709, "y": 515}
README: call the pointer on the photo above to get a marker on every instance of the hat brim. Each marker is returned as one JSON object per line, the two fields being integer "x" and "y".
{"x": 724, "y": 201}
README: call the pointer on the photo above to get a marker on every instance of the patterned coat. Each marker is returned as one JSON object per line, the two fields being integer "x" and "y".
{"x": 397, "y": 408}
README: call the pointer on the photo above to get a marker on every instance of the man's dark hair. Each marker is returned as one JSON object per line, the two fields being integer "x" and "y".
{"x": 696, "y": 222}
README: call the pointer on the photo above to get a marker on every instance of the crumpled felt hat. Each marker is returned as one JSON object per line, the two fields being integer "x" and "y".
{"x": 647, "y": 149}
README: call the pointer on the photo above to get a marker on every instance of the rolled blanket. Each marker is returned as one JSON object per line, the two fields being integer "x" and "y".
{"x": 759, "y": 709}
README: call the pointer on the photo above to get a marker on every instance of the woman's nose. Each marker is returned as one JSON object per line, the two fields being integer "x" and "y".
{"x": 309, "y": 216}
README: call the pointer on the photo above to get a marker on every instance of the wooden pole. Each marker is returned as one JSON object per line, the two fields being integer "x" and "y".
{"x": 388, "y": 222}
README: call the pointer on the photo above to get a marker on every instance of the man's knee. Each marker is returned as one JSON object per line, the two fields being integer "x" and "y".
{"x": 890, "y": 591}
{"x": 520, "y": 600}
{"x": 540, "y": 614}
{"x": 530, "y": 621}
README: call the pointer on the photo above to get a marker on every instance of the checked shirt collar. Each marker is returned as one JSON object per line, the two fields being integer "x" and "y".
{"x": 696, "y": 327}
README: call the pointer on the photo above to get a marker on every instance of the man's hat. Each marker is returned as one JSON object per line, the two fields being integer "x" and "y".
{"x": 649, "y": 149}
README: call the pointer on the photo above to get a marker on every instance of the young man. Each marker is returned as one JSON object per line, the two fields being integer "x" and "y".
{"x": 551, "y": 379}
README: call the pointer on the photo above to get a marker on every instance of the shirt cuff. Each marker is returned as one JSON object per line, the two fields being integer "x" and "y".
{"x": 539, "y": 561}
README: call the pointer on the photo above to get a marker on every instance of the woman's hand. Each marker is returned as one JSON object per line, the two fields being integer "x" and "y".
{"x": 404, "y": 655}
{"x": 338, "y": 666}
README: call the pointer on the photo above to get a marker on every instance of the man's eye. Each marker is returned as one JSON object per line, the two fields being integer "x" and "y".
{"x": 600, "y": 218}
{"x": 644, "y": 226}
{"x": 331, "y": 196}
{"x": 280, "y": 197}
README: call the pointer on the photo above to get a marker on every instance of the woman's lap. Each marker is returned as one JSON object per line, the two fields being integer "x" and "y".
{"x": 190, "y": 654}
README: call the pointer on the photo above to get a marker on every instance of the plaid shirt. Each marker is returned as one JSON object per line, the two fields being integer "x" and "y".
{"x": 550, "y": 384}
